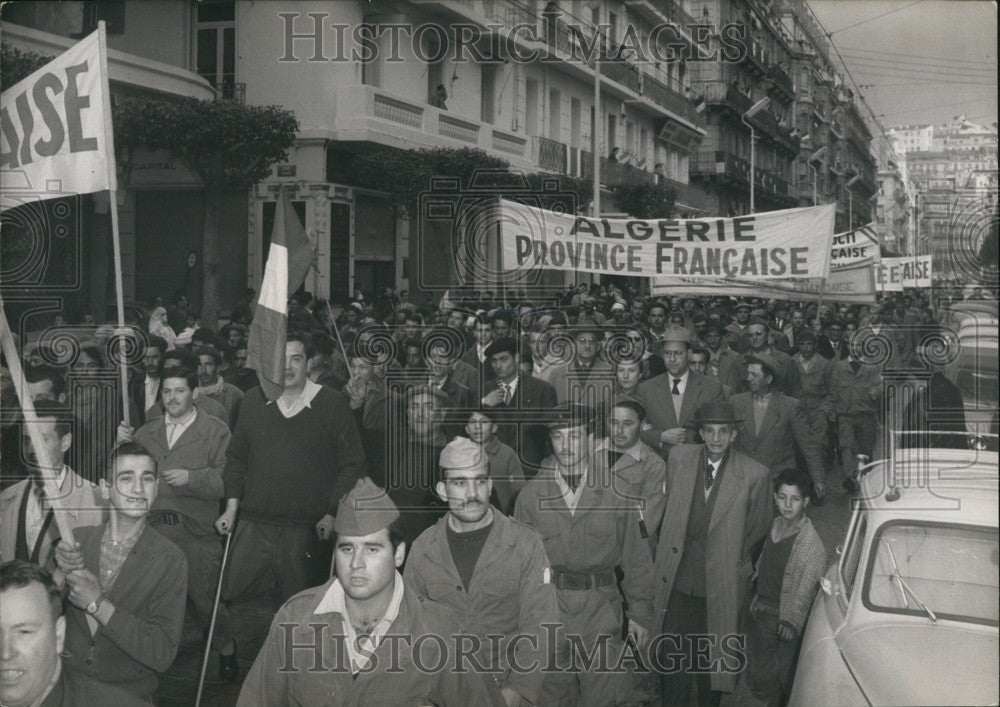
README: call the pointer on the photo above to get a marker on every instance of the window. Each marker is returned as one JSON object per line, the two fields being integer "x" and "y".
{"x": 852, "y": 552}
{"x": 216, "y": 43}
{"x": 111, "y": 11}
{"x": 949, "y": 568}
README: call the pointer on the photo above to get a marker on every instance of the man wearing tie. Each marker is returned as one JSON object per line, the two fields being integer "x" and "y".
{"x": 716, "y": 511}
{"x": 27, "y": 525}
{"x": 670, "y": 398}
{"x": 519, "y": 401}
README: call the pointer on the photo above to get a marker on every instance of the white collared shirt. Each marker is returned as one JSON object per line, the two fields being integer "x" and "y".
{"x": 715, "y": 477}
{"x": 571, "y": 497}
{"x": 481, "y": 352}
{"x": 177, "y": 427}
{"x": 360, "y": 650}
{"x": 682, "y": 386}
{"x": 34, "y": 512}
{"x": 300, "y": 403}
{"x": 635, "y": 451}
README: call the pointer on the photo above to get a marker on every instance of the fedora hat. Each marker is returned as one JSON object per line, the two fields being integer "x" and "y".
{"x": 715, "y": 413}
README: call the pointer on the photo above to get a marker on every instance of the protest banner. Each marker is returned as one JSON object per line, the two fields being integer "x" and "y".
{"x": 794, "y": 243}
{"x": 854, "y": 246}
{"x": 851, "y": 284}
{"x": 56, "y": 140}
{"x": 55, "y": 137}
{"x": 894, "y": 274}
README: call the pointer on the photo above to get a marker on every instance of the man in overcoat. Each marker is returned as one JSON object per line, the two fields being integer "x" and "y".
{"x": 716, "y": 512}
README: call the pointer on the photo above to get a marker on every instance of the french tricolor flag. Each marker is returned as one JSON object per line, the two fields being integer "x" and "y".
{"x": 288, "y": 263}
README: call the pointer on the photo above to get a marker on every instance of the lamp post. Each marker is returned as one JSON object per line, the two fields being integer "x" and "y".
{"x": 756, "y": 108}
{"x": 850, "y": 200}
{"x": 813, "y": 161}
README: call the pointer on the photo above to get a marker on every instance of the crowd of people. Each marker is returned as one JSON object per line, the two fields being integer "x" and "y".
{"x": 600, "y": 473}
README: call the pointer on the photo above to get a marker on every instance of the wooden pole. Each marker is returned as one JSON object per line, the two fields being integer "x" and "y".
{"x": 115, "y": 238}
{"x": 52, "y": 493}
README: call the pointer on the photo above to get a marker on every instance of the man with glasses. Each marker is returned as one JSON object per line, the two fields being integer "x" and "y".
{"x": 672, "y": 397}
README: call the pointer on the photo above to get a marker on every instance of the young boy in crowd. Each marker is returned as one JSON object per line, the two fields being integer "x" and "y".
{"x": 788, "y": 572}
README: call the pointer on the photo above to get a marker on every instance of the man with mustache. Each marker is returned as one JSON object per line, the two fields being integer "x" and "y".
{"x": 189, "y": 447}
{"x": 489, "y": 568}
{"x": 127, "y": 583}
{"x": 368, "y": 628}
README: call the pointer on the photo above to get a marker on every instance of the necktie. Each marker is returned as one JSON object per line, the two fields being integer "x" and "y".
{"x": 709, "y": 475}
{"x": 677, "y": 398}
{"x": 506, "y": 393}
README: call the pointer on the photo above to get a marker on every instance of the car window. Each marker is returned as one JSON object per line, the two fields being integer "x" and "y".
{"x": 949, "y": 569}
{"x": 852, "y": 553}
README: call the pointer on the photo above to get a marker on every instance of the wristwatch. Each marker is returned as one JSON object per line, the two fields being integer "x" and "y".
{"x": 93, "y": 606}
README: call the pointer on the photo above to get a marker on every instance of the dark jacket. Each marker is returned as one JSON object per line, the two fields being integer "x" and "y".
{"x": 141, "y": 639}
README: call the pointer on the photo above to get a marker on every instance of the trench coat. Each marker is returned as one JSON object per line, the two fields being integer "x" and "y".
{"x": 740, "y": 518}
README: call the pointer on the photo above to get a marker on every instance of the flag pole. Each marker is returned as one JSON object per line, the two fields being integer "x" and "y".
{"x": 113, "y": 207}
{"x": 52, "y": 493}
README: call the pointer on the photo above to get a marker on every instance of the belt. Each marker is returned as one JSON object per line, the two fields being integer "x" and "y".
{"x": 579, "y": 581}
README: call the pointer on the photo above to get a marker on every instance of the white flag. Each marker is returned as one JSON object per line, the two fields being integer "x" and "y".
{"x": 55, "y": 129}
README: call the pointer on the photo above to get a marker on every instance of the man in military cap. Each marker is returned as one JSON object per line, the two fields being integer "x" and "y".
{"x": 591, "y": 526}
{"x": 670, "y": 398}
{"x": 357, "y": 638}
{"x": 717, "y": 510}
{"x": 491, "y": 569}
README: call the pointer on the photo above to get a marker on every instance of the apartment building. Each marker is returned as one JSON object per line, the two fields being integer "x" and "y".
{"x": 537, "y": 114}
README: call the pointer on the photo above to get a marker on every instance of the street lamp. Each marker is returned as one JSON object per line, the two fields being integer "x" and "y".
{"x": 850, "y": 200}
{"x": 813, "y": 161}
{"x": 756, "y": 108}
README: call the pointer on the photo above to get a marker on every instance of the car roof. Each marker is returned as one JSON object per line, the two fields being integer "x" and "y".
{"x": 946, "y": 485}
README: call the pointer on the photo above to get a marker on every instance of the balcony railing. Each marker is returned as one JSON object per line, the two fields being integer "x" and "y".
{"x": 674, "y": 100}
{"x": 624, "y": 73}
{"x": 229, "y": 91}
{"x": 782, "y": 81}
{"x": 550, "y": 154}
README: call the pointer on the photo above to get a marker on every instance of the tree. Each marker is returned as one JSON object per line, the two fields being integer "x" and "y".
{"x": 231, "y": 146}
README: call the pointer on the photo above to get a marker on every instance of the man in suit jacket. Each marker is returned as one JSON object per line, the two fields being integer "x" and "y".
{"x": 520, "y": 402}
{"x": 144, "y": 388}
{"x": 775, "y": 424}
{"x": 672, "y": 397}
{"x": 716, "y": 512}
{"x": 127, "y": 583}
{"x": 189, "y": 447}
{"x": 27, "y": 524}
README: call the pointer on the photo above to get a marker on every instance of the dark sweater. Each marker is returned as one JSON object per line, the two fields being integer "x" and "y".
{"x": 293, "y": 471}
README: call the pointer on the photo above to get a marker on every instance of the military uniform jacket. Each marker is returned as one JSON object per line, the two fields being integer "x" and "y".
{"x": 507, "y": 595}
{"x": 319, "y": 673}
{"x": 816, "y": 384}
{"x": 601, "y": 534}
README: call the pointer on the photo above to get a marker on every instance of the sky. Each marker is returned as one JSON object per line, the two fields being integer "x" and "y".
{"x": 922, "y": 61}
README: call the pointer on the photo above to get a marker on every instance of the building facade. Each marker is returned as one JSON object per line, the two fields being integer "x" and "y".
{"x": 538, "y": 115}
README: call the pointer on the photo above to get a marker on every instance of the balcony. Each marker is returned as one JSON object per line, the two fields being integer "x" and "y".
{"x": 671, "y": 96}
{"x": 782, "y": 81}
{"x": 369, "y": 114}
{"x": 550, "y": 154}
{"x": 624, "y": 73}
{"x": 665, "y": 10}
{"x": 618, "y": 173}
{"x": 724, "y": 166}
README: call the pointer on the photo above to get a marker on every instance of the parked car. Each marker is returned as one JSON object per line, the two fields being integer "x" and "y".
{"x": 908, "y": 615}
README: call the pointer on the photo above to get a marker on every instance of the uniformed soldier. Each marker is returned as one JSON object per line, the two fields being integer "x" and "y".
{"x": 491, "y": 569}
{"x": 815, "y": 395}
{"x": 589, "y": 529}
{"x": 356, "y": 640}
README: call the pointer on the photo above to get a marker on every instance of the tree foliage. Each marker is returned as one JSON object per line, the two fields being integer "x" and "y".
{"x": 17, "y": 64}
{"x": 231, "y": 146}
{"x": 645, "y": 200}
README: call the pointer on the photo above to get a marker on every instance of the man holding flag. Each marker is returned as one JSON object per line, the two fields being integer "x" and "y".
{"x": 296, "y": 448}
